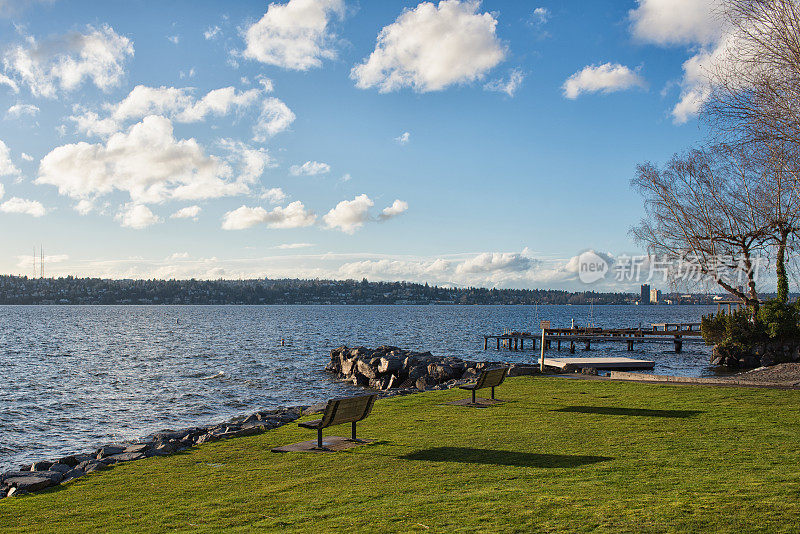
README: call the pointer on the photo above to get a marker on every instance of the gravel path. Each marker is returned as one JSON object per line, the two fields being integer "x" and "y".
{"x": 788, "y": 373}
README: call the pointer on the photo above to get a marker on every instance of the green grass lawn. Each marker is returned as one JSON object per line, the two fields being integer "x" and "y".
{"x": 561, "y": 455}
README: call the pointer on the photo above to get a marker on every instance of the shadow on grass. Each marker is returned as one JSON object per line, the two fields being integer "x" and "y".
{"x": 493, "y": 457}
{"x": 640, "y": 412}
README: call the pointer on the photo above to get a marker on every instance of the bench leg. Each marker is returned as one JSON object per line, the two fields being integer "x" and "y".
{"x": 492, "y": 392}
{"x": 353, "y": 432}
{"x": 319, "y": 438}
{"x": 473, "y": 396}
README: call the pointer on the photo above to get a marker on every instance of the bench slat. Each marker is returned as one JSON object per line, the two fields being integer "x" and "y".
{"x": 350, "y": 410}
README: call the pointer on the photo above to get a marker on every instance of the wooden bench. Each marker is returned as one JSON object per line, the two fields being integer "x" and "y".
{"x": 490, "y": 378}
{"x": 339, "y": 411}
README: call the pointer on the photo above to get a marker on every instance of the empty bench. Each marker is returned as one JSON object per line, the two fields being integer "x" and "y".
{"x": 490, "y": 378}
{"x": 338, "y": 411}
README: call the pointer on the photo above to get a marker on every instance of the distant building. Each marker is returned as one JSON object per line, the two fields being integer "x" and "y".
{"x": 645, "y": 295}
{"x": 655, "y": 296}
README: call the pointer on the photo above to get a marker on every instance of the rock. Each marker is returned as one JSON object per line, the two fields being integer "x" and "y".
{"x": 424, "y": 382}
{"x": 348, "y": 366}
{"x": 15, "y": 492}
{"x": 109, "y": 451}
{"x": 3, "y": 492}
{"x": 359, "y": 380}
{"x": 137, "y": 447}
{"x": 441, "y": 372}
{"x": 205, "y": 438}
{"x": 32, "y": 482}
{"x": 41, "y": 466}
{"x": 389, "y": 365}
{"x": 521, "y": 369}
{"x": 69, "y": 461}
{"x": 366, "y": 369}
{"x": 91, "y": 467}
{"x": 127, "y": 456}
{"x": 73, "y": 474}
{"x": 60, "y": 468}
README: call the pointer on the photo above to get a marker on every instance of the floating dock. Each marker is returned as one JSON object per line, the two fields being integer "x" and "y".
{"x": 620, "y": 364}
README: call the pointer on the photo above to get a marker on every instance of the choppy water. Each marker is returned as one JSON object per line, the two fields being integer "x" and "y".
{"x": 75, "y": 377}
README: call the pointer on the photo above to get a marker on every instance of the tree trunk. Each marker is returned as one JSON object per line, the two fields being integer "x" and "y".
{"x": 780, "y": 268}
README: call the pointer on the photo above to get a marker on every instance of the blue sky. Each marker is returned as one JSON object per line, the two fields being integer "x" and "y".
{"x": 455, "y": 142}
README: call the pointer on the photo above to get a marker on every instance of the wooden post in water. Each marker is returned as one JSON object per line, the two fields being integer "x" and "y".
{"x": 498, "y": 342}
{"x": 541, "y": 358}
{"x": 485, "y": 342}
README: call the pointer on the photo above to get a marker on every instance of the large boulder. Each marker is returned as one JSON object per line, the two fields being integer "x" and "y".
{"x": 367, "y": 370}
{"x": 389, "y": 364}
{"x": 33, "y": 482}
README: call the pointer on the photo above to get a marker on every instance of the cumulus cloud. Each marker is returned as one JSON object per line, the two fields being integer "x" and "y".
{"x": 294, "y": 35}
{"x": 607, "y": 78}
{"x": 274, "y": 195}
{"x": 189, "y": 212}
{"x": 23, "y": 206}
{"x": 252, "y": 161}
{"x": 403, "y": 138}
{"x": 26, "y": 157}
{"x": 275, "y": 118}
{"x": 7, "y": 167}
{"x": 84, "y": 207}
{"x": 147, "y": 162}
{"x": 18, "y": 110}
{"x": 431, "y": 47}
{"x": 294, "y": 215}
{"x": 495, "y": 261}
{"x": 65, "y": 62}
{"x": 137, "y": 216}
{"x": 509, "y": 85}
{"x": 349, "y": 215}
{"x": 178, "y": 104}
{"x": 695, "y": 24}
{"x": 174, "y": 39}
{"x": 310, "y": 168}
{"x": 398, "y": 207}
{"x": 676, "y": 22}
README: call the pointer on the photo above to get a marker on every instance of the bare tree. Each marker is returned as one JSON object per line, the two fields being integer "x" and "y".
{"x": 702, "y": 207}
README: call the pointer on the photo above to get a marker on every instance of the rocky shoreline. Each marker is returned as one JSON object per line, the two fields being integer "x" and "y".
{"x": 45, "y": 474}
{"x": 391, "y": 370}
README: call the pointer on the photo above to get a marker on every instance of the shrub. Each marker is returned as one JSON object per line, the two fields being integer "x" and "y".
{"x": 779, "y": 320}
{"x": 775, "y": 320}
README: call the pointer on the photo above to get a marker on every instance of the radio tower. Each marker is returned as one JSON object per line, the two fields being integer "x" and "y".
{"x": 41, "y": 260}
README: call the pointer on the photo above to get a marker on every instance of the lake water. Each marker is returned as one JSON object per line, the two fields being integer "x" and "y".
{"x": 76, "y": 377}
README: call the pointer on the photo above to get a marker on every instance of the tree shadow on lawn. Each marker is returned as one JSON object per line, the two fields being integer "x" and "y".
{"x": 639, "y": 412}
{"x": 495, "y": 457}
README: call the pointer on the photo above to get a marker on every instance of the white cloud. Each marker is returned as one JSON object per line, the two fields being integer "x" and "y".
{"x": 676, "y": 22}
{"x": 294, "y": 215}
{"x": 7, "y": 167}
{"x": 275, "y": 118}
{"x": 84, "y": 207}
{"x": 147, "y": 162}
{"x": 508, "y": 86}
{"x": 349, "y": 215}
{"x": 178, "y": 256}
{"x": 23, "y": 206}
{"x": 398, "y": 207}
{"x": 252, "y": 161}
{"x": 178, "y": 104}
{"x": 293, "y": 246}
{"x": 174, "y": 39}
{"x": 696, "y": 24}
{"x": 189, "y": 212}
{"x": 608, "y": 77}
{"x": 294, "y": 35}
{"x": 10, "y": 8}
{"x": 137, "y": 216}
{"x": 18, "y": 110}
{"x": 310, "y": 168}
{"x": 431, "y": 47}
{"x": 495, "y": 261}
{"x": 26, "y": 157}
{"x": 403, "y": 138}
{"x": 5, "y": 80}
{"x": 346, "y": 177}
{"x": 212, "y": 32}
{"x": 65, "y": 61}
{"x": 541, "y": 15}
{"x": 274, "y": 195}
{"x": 2, "y": 191}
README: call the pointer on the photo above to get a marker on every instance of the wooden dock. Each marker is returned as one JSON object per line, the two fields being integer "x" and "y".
{"x": 676, "y": 333}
